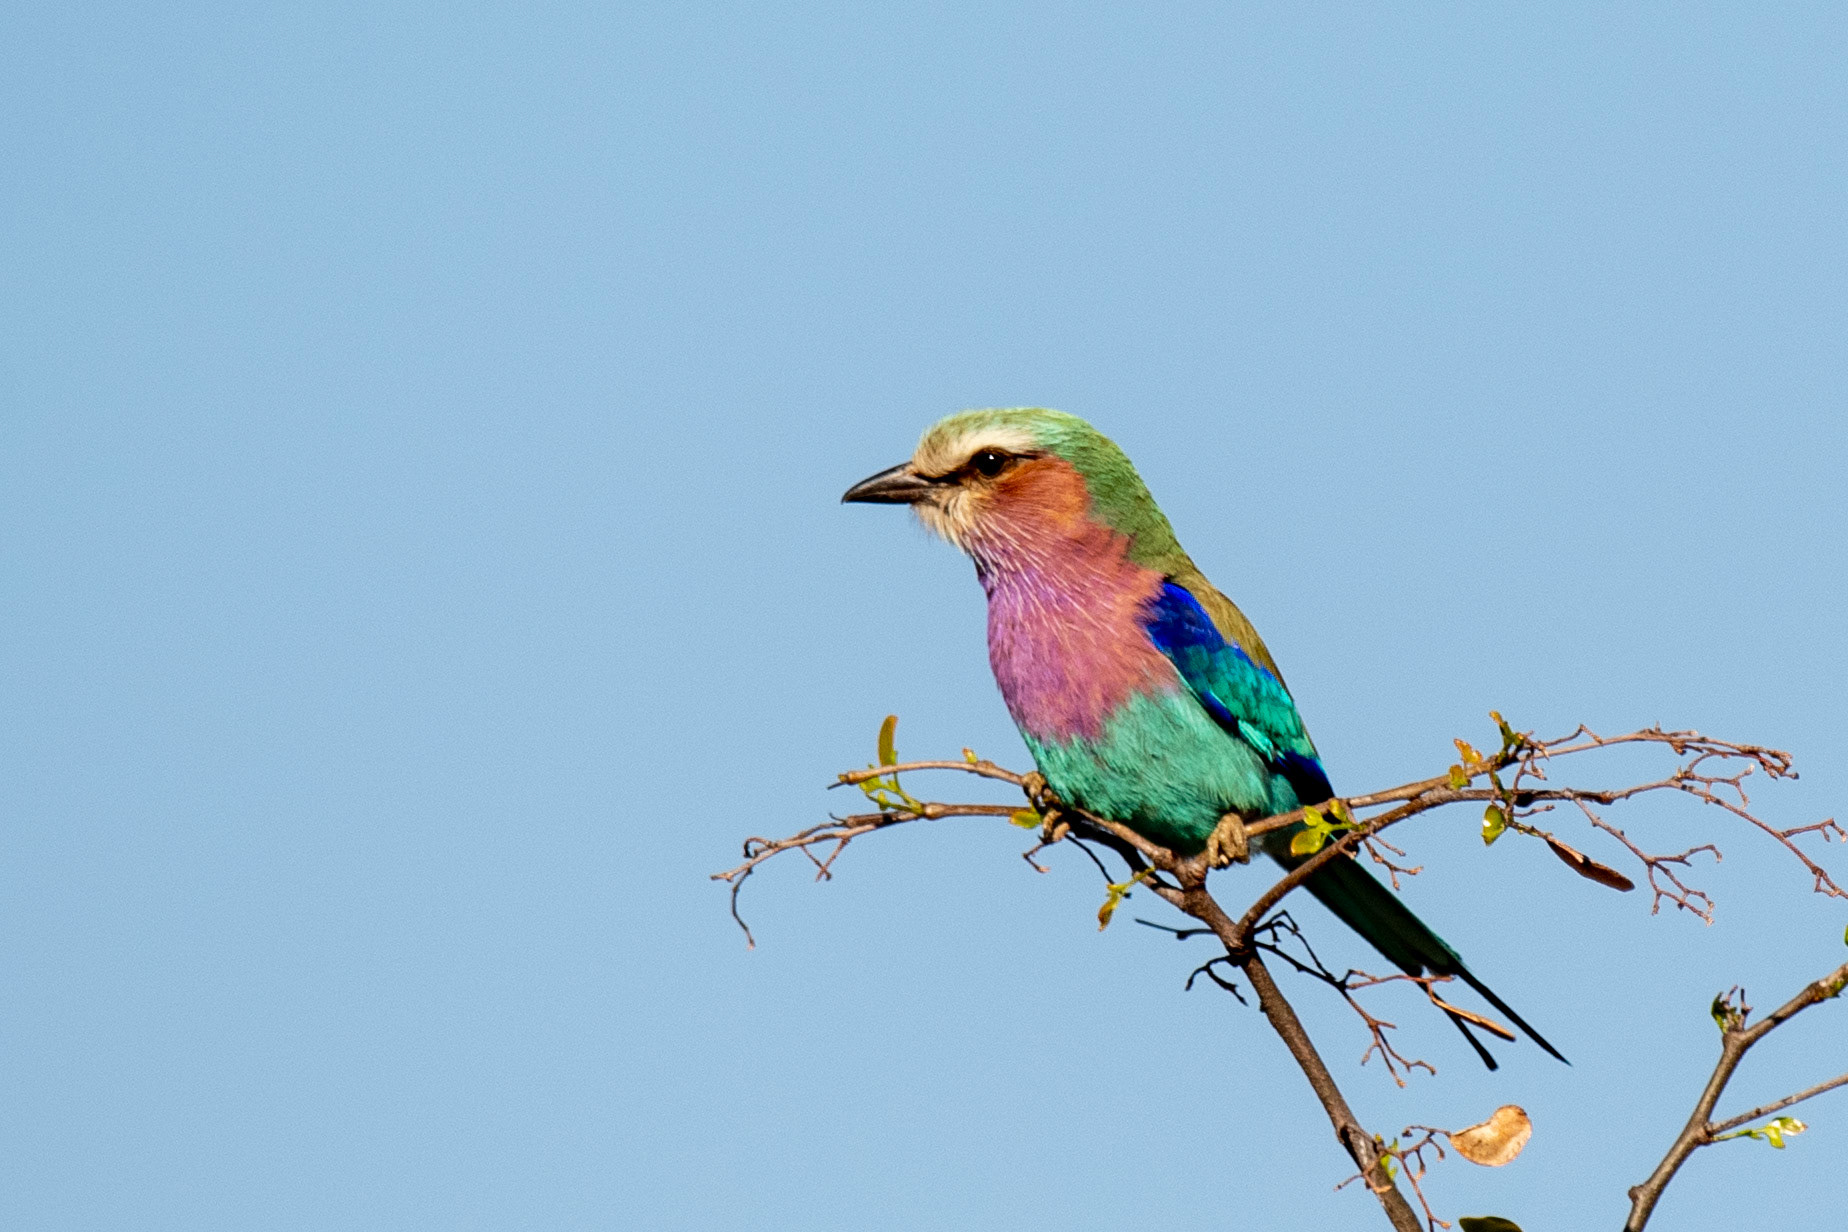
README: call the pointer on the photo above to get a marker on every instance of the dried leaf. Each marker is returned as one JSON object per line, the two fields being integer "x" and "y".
{"x": 1497, "y": 1140}
{"x": 1487, "y": 1024}
{"x": 1587, "y": 867}
{"x": 1487, "y": 1223}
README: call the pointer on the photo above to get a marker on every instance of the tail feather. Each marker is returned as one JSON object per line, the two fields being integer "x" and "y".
{"x": 1377, "y": 914}
{"x": 1488, "y": 1058}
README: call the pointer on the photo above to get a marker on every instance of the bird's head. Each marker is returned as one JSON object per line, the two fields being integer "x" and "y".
{"x": 1008, "y": 483}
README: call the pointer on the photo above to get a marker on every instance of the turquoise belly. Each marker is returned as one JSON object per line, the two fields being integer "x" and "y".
{"x": 1164, "y": 768}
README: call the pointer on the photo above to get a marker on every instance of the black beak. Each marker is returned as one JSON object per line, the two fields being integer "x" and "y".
{"x": 899, "y": 485}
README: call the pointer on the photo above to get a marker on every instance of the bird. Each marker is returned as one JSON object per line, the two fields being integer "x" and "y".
{"x": 1142, "y": 693}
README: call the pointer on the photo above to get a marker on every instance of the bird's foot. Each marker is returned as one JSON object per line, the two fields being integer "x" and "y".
{"x": 1038, "y": 793}
{"x": 1047, "y": 804}
{"x": 1229, "y": 843}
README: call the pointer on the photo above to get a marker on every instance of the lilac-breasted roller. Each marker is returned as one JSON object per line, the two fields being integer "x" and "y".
{"x": 1143, "y": 694}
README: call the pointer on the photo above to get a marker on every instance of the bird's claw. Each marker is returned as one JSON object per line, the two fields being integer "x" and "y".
{"x": 1047, "y": 804}
{"x": 1229, "y": 843}
{"x": 1038, "y": 793}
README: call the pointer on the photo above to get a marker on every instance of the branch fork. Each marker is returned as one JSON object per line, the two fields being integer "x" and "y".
{"x": 1713, "y": 772}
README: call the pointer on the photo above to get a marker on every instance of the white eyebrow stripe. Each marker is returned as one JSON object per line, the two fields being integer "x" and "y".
{"x": 937, "y": 457}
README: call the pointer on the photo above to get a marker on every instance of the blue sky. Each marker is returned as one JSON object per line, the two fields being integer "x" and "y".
{"x": 422, "y": 566}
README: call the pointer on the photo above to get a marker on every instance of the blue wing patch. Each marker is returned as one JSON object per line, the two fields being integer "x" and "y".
{"x": 1242, "y": 697}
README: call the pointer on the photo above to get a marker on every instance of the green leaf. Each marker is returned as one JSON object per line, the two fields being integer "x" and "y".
{"x": 1494, "y": 822}
{"x": 1778, "y": 1127}
{"x": 1312, "y": 817}
{"x": 1458, "y": 779}
{"x": 1773, "y": 1131}
{"x": 1026, "y": 819}
{"x": 1511, "y": 739}
{"x": 1308, "y": 842}
{"x": 1487, "y": 1223}
{"x": 1726, "y": 1015}
{"x": 888, "y": 748}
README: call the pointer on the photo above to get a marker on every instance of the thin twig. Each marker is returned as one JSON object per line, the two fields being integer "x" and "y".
{"x": 981, "y": 768}
{"x": 1412, "y": 1164}
{"x": 1778, "y": 1105}
{"x": 1398, "y": 1065}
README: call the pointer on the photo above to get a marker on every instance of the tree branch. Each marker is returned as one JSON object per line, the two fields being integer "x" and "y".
{"x": 1712, "y": 771}
{"x": 1736, "y": 1039}
{"x": 1357, "y": 1141}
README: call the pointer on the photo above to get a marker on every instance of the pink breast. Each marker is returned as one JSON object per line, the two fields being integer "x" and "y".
{"x": 1066, "y": 634}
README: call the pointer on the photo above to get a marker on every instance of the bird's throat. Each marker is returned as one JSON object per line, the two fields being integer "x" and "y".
{"x": 1067, "y": 634}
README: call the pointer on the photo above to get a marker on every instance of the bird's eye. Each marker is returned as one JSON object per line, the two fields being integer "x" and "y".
{"x": 988, "y": 463}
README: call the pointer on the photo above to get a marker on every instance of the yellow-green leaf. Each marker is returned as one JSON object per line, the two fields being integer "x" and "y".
{"x": 1458, "y": 779}
{"x": 1726, "y": 1016}
{"x": 1468, "y": 751}
{"x": 1108, "y": 909}
{"x": 1117, "y": 892}
{"x": 1778, "y": 1127}
{"x": 1307, "y": 842}
{"x": 1511, "y": 739}
{"x": 1773, "y": 1131}
{"x": 1312, "y": 817}
{"x": 1494, "y": 822}
{"x": 888, "y": 747}
{"x": 1026, "y": 819}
